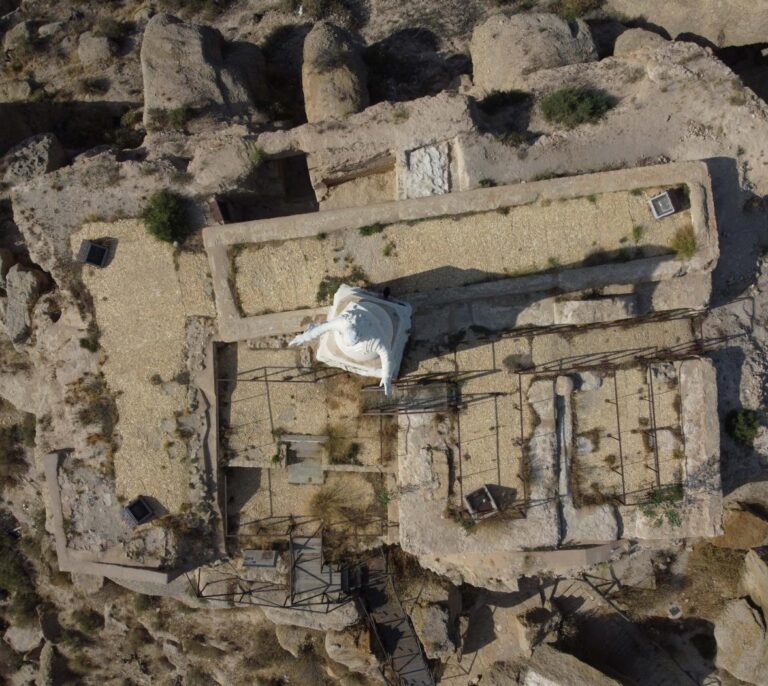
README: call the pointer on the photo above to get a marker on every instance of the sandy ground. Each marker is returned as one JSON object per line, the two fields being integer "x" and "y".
{"x": 445, "y": 252}
{"x": 597, "y": 466}
{"x": 271, "y": 397}
{"x": 142, "y": 302}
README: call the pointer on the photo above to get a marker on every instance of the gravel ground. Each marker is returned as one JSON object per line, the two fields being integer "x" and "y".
{"x": 440, "y": 253}
{"x": 142, "y": 302}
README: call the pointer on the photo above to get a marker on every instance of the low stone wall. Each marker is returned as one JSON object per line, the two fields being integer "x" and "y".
{"x": 694, "y": 175}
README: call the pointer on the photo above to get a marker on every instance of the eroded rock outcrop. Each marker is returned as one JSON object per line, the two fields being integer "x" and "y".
{"x": 23, "y": 286}
{"x": 333, "y": 74}
{"x": 742, "y": 642}
{"x": 432, "y": 625}
{"x": 722, "y": 22}
{"x": 756, "y": 577}
{"x": 506, "y": 49}
{"x": 35, "y": 156}
{"x": 183, "y": 66}
{"x": 636, "y": 39}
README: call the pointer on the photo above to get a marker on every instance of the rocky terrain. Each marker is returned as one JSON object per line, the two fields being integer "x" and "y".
{"x": 104, "y": 103}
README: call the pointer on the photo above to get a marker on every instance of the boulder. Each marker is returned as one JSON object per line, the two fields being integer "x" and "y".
{"x": 432, "y": 626}
{"x": 742, "y": 642}
{"x": 183, "y": 65}
{"x": 18, "y": 37}
{"x": 23, "y": 286}
{"x": 725, "y": 22}
{"x": 51, "y": 29}
{"x": 94, "y": 51}
{"x": 333, "y": 74}
{"x": 744, "y": 529}
{"x": 23, "y": 638}
{"x": 15, "y": 90}
{"x": 636, "y": 39}
{"x": 756, "y": 577}
{"x": 550, "y": 666}
{"x": 505, "y": 50}
{"x": 33, "y": 157}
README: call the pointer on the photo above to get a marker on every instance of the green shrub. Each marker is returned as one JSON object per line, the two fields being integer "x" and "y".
{"x": 743, "y": 425}
{"x": 573, "y": 106}
{"x": 176, "y": 118}
{"x": 164, "y": 217}
{"x": 89, "y": 621}
{"x": 662, "y": 503}
{"x": 330, "y": 284}
{"x": 486, "y": 183}
{"x": 109, "y": 28}
{"x": 684, "y": 242}
{"x": 94, "y": 85}
{"x": 371, "y": 229}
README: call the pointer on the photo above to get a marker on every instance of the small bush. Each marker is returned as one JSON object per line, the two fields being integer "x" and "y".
{"x": 371, "y": 229}
{"x": 175, "y": 119}
{"x": 663, "y": 504}
{"x": 92, "y": 85}
{"x": 743, "y": 425}
{"x": 684, "y": 242}
{"x": 330, "y": 284}
{"x": 109, "y": 28}
{"x": 164, "y": 217}
{"x": 487, "y": 183}
{"x": 573, "y": 106}
{"x": 89, "y": 621}
{"x": 90, "y": 343}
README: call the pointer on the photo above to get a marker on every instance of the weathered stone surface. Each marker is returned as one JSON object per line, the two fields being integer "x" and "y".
{"x": 23, "y": 638}
{"x": 506, "y": 49}
{"x": 35, "y": 156}
{"x": 550, "y": 667}
{"x": 742, "y": 643}
{"x": 7, "y": 260}
{"x": 636, "y": 39}
{"x": 756, "y": 577}
{"x": 425, "y": 171}
{"x": 580, "y": 312}
{"x": 722, "y": 22}
{"x": 352, "y": 649}
{"x": 183, "y": 66}
{"x": 292, "y": 638}
{"x": 23, "y": 286}
{"x": 94, "y": 51}
{"x": 432, "y": 625}
{"x": 18, "y": 37}
{"x": 743, "y": 530}
{"x": 87, "y": 583}
{"x": 339, "y": 619}
{"x": 45, "y": 670}
{"x": 333, "y": 74}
